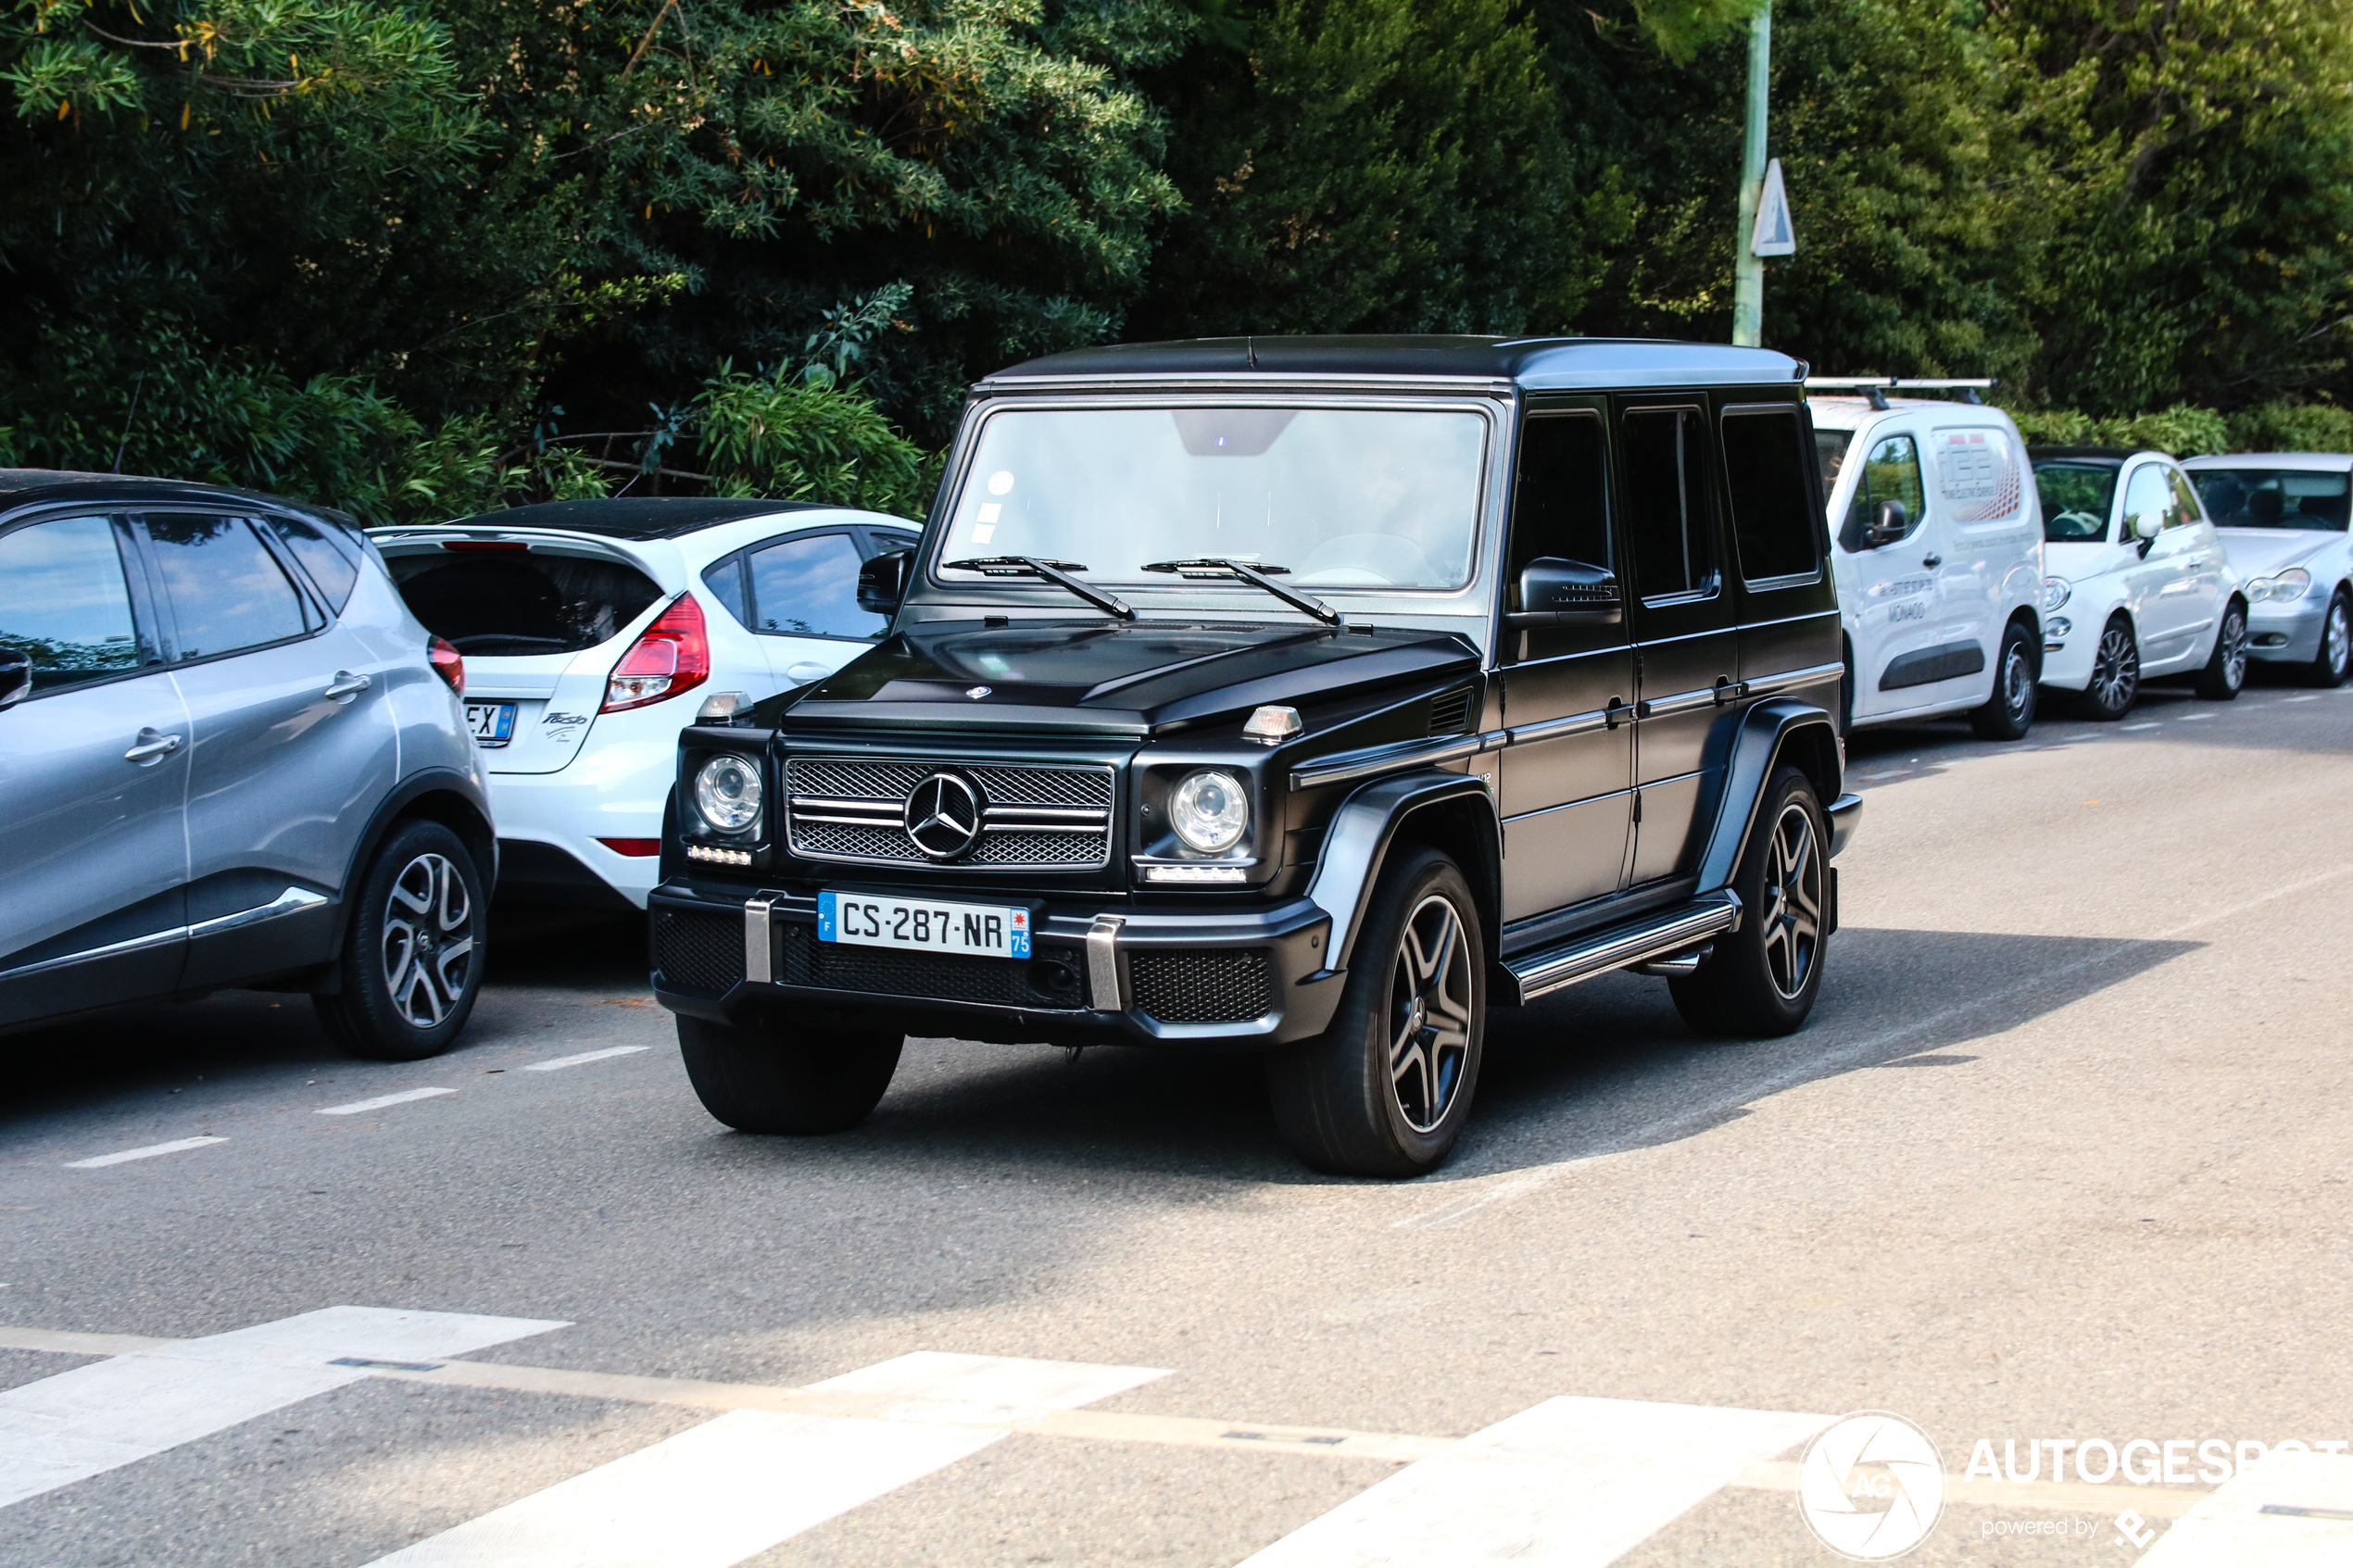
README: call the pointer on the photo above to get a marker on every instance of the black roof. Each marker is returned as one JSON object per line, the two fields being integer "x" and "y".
{"x": 2096, "y": 454}
{"x": 637, "y": 517}
{"x": 1538, "y": 363}
{"x": 30, "y": 486}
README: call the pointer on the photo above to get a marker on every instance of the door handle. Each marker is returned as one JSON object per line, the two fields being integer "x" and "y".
{"x": 345, "y": 686}
{"x": 153, "y": 747}
{"x": 1931, "y": 560}
{"x": 1617, "y": 713}
{"x": 1730, "y": 690}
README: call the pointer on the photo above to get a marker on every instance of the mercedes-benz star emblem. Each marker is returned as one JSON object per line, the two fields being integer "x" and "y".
{"x": 943, "y": 816}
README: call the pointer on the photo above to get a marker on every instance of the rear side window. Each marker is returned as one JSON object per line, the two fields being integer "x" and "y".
{"x": 64, "y": 603}
{"x": 1891, "y": 472}
{"x": 807, "y": 586}
{"x": 1669, "y": 525}
{"x": 1773, "y": 510}
{"x": 330, "y": 561}
{"x": 227, "y": 591}
{"x": 516, "y": 603}
{"x": 1561, "y": 505}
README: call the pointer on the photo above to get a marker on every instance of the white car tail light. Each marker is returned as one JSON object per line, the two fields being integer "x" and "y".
{"x": 672, "y": 656}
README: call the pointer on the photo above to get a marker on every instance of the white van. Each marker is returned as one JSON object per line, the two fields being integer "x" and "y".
{"x": 1937, "y": 539}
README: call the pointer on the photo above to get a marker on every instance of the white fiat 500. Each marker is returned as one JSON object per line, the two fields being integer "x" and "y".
{"x": 593, "y": 630}
{"x": 2140, "y": 584}
{"x": 2283, "y": 517}
{"x": 1938, "y": 550}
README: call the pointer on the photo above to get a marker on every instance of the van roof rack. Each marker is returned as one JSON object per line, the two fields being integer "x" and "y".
{"x": 1876, "y": 388}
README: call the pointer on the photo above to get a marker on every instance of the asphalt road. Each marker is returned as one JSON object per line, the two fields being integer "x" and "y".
{"x": 2063, "y": 1154}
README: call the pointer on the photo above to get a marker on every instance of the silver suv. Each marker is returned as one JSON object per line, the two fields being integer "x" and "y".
{"x": 229, "y": 756}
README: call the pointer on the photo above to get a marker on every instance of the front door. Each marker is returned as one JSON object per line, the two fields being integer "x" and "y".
{"x": 1568, "y": 691}
{"x": 1687, "y": 655}
{"x": 94, "y": 772}
{"x": 2164, "y": 588}
{"x": 293, "y": 744}
{"x": 1896, "y": 601}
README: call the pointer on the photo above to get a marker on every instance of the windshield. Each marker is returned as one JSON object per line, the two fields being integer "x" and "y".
{"x": 1371, "y": 498}
{"x": 2076, "y": 493}
{"x": 2273, "y": 499}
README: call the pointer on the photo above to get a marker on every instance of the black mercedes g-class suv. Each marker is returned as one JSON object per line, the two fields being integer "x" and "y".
{"x": 1302, "y": 696}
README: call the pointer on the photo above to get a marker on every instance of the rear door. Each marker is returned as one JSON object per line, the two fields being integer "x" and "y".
{"x": 94, "y": 777}
{"x": 293, "y": 740}
{"x": 798, "y": 594}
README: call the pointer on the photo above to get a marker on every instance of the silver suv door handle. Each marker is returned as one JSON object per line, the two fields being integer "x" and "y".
{"x": 152, "y": 746}
{"x": 1932, "y": 561}
{"x": 347, "y": 685}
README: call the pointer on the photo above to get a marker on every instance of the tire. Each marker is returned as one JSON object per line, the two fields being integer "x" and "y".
{"x": 413, "y": 950}
{"x": 2330, "y": 666}
{"x": 2225, "y": 673}
{"x": 1385, "y": 1090}
{"x": 783, "y": 1080}
{"x": 2116, "y": 673}
{"x": 1761, "y": 980}
{"x": 2008, "y": 713}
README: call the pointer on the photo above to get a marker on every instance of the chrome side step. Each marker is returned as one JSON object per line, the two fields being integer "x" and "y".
{"x": 1711, "y": 914}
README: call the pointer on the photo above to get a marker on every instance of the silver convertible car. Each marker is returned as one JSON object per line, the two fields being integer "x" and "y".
{"x": 2283, "y": 517}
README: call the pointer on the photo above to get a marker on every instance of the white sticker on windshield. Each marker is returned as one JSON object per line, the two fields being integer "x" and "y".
{"x": 1000, "y": 482}
{"x": 989, "y": 510}
{"x": 982, "y": 533}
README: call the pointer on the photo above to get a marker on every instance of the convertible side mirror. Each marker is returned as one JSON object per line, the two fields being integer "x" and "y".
{"x": 16, "y": 676}
{"x": 1891, "y": 523}
{"x": 881, "y": 581}
{"x": 1558, "y": 591}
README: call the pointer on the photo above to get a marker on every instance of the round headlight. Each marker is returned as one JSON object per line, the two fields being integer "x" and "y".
{"x": 1210, "y": 810}
{"x": 2056, "y": 591}
{"x": 727, "y": 793}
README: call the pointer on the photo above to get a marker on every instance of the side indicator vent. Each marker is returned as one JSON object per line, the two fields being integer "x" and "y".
{"x": 1449, "y": 712}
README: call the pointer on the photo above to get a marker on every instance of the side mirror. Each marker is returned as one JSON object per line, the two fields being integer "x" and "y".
{"x": 881, "y": 581}
{"x": 1891, "y": 523}
{"x": 2145, "y": 525}
{"x": 1557, "y": 592}
{"x": 16, "y": 676}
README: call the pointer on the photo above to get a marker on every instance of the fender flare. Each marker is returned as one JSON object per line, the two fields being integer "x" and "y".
{"x": 1356, "y": 844}
{"x": 1766, "y": 732}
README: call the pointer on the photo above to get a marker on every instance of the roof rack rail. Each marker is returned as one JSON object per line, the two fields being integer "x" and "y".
{"x": 1876, "y": 388}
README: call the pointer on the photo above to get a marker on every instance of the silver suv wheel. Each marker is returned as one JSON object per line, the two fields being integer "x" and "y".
{"x": 428, "y": 946}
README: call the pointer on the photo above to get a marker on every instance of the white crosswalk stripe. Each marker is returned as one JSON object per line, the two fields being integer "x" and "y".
{"x": 88, "y": 1421}
{"x": 731, "y": 1488}
{"x": 2283, "y": 1511}
{"x": 1572, "y": 1483}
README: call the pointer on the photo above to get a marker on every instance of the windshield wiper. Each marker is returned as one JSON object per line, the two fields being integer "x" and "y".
{"x": 1259, "y": 576}
{"x": 1056, "y": 571}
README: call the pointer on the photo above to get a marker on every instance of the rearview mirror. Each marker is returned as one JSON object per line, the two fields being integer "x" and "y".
{"x": 1890, "y": 526}
{"x": 1557, "y": 592}
{"x": 16, "y": 676}
{"x": 881, "y": 581}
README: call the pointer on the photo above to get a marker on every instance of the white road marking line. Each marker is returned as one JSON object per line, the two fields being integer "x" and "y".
{"x": 585, "y": 1058}
{"x": 1502, "y": 1185}
{"x": 2191, "y": 718}
{"x": 174, "y": 1146}
{"x": 733, "y": 1487}
{"x": 403, "y": 1097}
{"x": 94, "y": 1418}
{"x": 2150, "y": 725}
{"x": 2308, "y": 696}
{"x": 2283, "y": 1511}
{"x": 1573, "y": 1483}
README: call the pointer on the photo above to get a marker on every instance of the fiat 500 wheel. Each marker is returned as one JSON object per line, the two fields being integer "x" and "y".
{"x": 1385, "y": 1090}
{"x": 413, "y": 951}
{"x": 2116, "y": 672}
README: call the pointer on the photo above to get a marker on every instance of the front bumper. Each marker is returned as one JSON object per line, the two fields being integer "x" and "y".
{"x": 1224, "y": 979}
{"x": 2286, "y": 633}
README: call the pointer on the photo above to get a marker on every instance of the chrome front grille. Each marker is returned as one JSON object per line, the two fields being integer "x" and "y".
{"x": 1041, "y": 816}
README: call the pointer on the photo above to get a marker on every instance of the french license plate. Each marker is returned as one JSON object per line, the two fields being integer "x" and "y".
{"x": 491, "y": 722}
{"x": 868, "y": 920}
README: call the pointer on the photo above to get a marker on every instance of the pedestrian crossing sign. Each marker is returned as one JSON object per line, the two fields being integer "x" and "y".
{"x": 1773, "y": 234}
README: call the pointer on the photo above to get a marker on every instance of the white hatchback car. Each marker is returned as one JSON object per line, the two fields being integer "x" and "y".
{"x": 2283, "y": 517}
{"x": 2141, "y": 585}
{"x": 593, "y": 630}
{"x": 1937, "y": 545}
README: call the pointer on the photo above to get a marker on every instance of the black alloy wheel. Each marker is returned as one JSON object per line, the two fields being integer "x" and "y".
{"x": 1761, "y": 980}
{"x": 2331, "y": 664}
{"x": 1387, "y": 1088}
{"x": 2225, "y": 673}
{"x": 2116, "y": 672}
{"x": 2008, "y": 713}
{"x": 411, "y": 964}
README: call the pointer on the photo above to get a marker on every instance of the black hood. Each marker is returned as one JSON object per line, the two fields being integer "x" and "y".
{"x": 1116, "y": 677}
